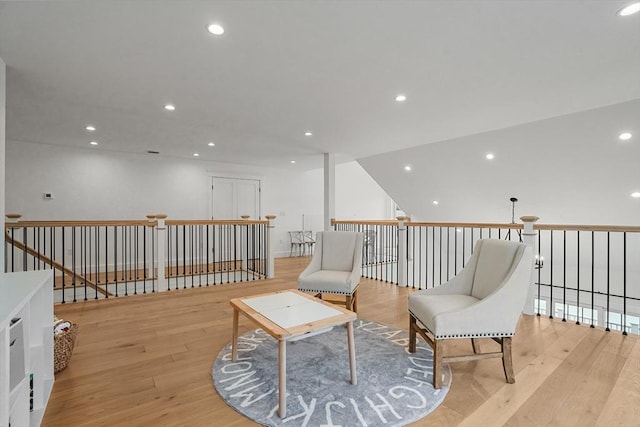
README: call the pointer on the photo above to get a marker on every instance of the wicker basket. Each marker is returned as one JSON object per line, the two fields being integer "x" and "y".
{"x": 63, "y": 347}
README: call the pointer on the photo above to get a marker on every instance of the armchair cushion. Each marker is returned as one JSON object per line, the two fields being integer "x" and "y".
{"x": 427, "y": 307}
{"x": 328, "y": 281}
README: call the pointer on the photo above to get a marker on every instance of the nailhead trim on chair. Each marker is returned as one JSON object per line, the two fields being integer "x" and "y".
{"x": 491, "y": 335}
{"x": 324, "y": 291}
{"x": 485, "y": 335}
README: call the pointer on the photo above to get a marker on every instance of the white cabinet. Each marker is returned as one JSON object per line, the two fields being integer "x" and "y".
{"x": 26, "y": 346}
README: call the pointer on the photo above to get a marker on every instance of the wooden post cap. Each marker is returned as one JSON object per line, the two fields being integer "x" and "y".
{"x": 161, "y": 216}
{"x": 13, "y": 216}
{"x": 151, "y": 216}
{"x": 244, "y": 216}
{"x": 270, "y": 217}
{"x": 529, "y": 218}
{"x": 403, "y": 218}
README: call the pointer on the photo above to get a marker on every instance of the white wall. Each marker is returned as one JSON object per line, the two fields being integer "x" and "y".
{"x": 90, "y": 183}
{"x": 566, "y": 170}
{"x": 3, "y": 109}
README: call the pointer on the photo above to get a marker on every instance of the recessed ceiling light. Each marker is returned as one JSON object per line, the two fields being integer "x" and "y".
{"x": 407, "y": 168}
{"x": 170, "y": 107}
{"x": 196, "y": 154}
{"x": 625, "y": 136}
{"x": 435, "y": 202}
{"x": 630, "y": 9}
{"x": 293, "y": 161}
{"x": 636, "y": 194}
{"x": 401, "y": 98}
{"x": 211, "y": 144}
{"x": 489, "y": 156}
{"x": 93, "y": 143}
{"x": 307, "y": 133}
{"x": 90, "y": 128}
{"x": 215, "y": 29}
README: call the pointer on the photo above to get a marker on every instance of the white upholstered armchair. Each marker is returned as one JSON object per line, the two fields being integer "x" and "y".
{"x": 335, "y": 267}
{"x": 484, "y": 300}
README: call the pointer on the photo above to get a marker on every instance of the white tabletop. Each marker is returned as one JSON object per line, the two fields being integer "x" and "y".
{"x": 287, "y": 309}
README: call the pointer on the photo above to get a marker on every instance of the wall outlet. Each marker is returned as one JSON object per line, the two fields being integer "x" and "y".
{"x": 47, "y": 196}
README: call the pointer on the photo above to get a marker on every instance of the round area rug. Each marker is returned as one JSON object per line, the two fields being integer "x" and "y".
{"x": 394, "y": 386}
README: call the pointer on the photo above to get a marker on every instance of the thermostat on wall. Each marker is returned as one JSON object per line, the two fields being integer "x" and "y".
{"x": 47, "y": 196}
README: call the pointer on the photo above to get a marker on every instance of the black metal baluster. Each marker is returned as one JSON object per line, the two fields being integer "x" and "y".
{"x": 145, "y": 273}
{"x": 208, "y": 250}
{"x": 440, "y": 256}
{"x": 539, "y": 269}
{"x": 64, "y": 270}
{"x": 106, "y": 261}
{"x": 215, "y": 268}
{"x": 580, "y": 311}
{"x": 73, "y": 261}
{"x": 126, "y": 268}
{"x": 464, "y": 243}
{"x": 153, "y": 259}
{"x": 235, "y": 251}
{"x": 624, "y": 283}
{"x": 184, "y": 256}
{"x": 564, "y": 275}
{"x": 608, "y": 279}
{"x": 96, "y": 255}
{"x": 448, "y": 250}
{"x": 592, "y": 277}
{"x": 551, "y": 310}
{"x": 433, "y": 257}
{"x": 115, "y": 258}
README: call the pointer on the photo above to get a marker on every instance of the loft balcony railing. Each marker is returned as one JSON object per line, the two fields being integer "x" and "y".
{"x": 583, "y": 273}
{"x": 104, "y": 259}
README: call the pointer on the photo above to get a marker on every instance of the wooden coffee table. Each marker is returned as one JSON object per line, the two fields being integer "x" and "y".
{"x": 288, "y": 316}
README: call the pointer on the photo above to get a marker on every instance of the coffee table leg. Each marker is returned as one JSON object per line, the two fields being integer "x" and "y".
{"x": 234, "y": 340}
{"x": 282, "y": 379}
{"x": 352, "y": 354}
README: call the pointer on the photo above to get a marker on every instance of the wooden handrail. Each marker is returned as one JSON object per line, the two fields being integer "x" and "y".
{"x": 568, "y": 227}
{"x": 215, "y": 222}
{"x": 54, "y": 264}
{"x": 464, "y": 225}
{"x": 365, "y": 222}
{"x": 82, "y": 223}
{"x": 573, "y": 227}
{"x": 120, "y": 223}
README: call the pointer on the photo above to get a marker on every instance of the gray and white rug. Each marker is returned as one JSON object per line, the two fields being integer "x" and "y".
{"x": 394, "y": 386}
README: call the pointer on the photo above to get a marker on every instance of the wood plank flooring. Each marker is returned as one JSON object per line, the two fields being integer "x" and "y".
{"x": 146, "y": 360}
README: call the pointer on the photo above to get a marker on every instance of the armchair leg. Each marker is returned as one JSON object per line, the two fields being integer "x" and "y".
{"x": 437, "y": 364}
{"x": 433, "y": 343}
{"x": 412, "y": 334}
{"x": 507, "y": 361}
{"x": 349, "y": 302}
{"x": 355, "y": 302}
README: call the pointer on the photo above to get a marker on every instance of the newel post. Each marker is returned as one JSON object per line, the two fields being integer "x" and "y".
{"x": 161, "y": 230}
{"x": 402, "y": 250}
{"x": 529, "y": 238}
{"x": 271, "y": 270}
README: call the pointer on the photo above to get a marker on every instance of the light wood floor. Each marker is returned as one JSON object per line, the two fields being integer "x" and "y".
{"x": 146, "y": 360}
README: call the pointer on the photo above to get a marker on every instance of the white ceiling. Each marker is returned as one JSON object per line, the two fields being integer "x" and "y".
{"x": 284, "y": 67}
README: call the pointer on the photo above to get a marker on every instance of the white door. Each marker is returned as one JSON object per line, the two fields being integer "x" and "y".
{"x": 234, "y": 197}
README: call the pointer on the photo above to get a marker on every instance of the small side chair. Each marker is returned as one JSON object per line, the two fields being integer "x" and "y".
{"x": 484, "y": 300}
{"x": 335, "y": 267}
